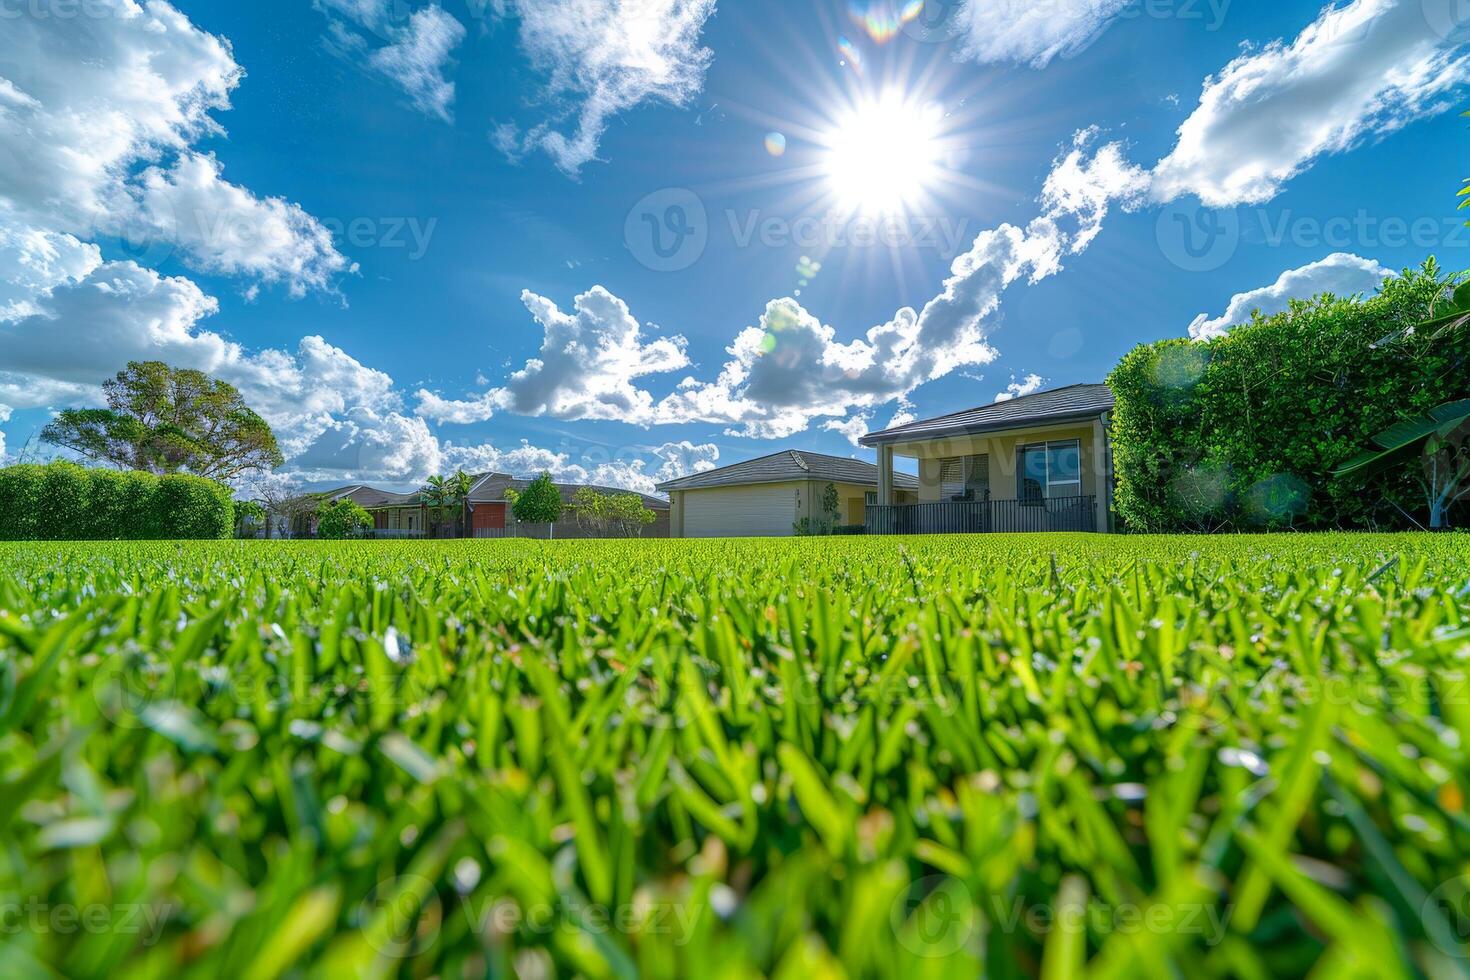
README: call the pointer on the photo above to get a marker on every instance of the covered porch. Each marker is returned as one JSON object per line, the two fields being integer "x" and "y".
{"x": 1003, "y": 468}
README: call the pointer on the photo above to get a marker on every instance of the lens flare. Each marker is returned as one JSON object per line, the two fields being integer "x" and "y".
{"x": 883, "y": 19}
{"x": 851, "y": 56}
{"x": 775, "y": 144}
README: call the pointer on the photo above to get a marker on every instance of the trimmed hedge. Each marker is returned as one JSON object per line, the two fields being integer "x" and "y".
{"x": 65, "y": 502}
{"x": 1243, "y": 431}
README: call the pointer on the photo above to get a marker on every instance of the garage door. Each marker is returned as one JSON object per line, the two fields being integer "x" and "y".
{"x": 740, "y": 512}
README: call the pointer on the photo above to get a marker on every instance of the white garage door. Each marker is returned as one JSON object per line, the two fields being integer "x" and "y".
{"x": 740, "y": 512}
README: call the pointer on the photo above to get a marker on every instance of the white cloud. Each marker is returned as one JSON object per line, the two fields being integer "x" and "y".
{"x": 33, "y": 262}
{"x": 1031, "y": 31}
{"x": 84, "y": 332}
{"x": 87, "y": 101}
{"x": 684, "y": 457}
{"x": 852, "y": 428}
{"x": 417, "y": 51}
{"x": 1358, "y": 71}
{"x": 586, "y": 367}
{"x": 628, "y": 472}
{"x": 4, "y": 417}
{"x": 603, "y": 57}
{"x": 1085, "y": 186}
{"x": 1029, "y": 385}
{"x": 1342, "y": 274}
{"x": 370, "y": 446}
{"x": 223, "y": 228}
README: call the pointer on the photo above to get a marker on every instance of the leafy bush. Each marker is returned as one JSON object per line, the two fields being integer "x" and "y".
{"x": 342, "y": 519}
{"x": 1244, "y": 430}
{"x": 65, "y": 502}
{"x": 854, "y": 757}
{"x": 539, "y": 503}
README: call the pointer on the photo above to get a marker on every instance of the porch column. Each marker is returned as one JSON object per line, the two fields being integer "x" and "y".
{"x": 1100, "y": 472}
{"x": 885, "y": 476}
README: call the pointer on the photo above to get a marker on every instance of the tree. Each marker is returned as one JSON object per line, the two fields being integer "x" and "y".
{"x": 250, "y": 516}
{"x": 539, "y": 503}
{"x": 163, "y": 420}
{"x": 1442, "y": 437}
{"x": 626, "y": 515}
{"x": 342, "y": 519}
{"x": 286, "y": 504}
{"x": 446, "y": 497}
{"x": 591, "y": 508}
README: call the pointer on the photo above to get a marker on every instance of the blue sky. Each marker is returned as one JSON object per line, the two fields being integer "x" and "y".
{"x": 555, "y": 235}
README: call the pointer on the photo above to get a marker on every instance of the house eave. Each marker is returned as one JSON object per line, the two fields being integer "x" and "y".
{"x": 898, "y": 436}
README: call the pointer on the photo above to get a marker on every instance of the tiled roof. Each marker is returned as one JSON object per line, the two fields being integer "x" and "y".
{"x": 491, "y": 487}
{"x": 786, "y": 466}
{"x": 1057, "y": 405}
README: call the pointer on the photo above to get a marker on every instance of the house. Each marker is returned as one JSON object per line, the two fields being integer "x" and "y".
{"x": 1040, "y": 462}
{"x": 487, "y": 512}
{"x": 490, "y": 510}
{"x": 767, "y": 497}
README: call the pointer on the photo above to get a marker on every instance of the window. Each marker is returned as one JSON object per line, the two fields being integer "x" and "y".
{"x": 1050, "y": 470}
{"x": 964, "y": 478}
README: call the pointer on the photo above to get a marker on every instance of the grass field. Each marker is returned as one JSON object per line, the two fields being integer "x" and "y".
{"x": 1016, "y": 756}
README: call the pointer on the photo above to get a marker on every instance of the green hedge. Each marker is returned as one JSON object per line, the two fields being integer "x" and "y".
{"x": 65, "y": 502}
{"x": 1243, "y": 431}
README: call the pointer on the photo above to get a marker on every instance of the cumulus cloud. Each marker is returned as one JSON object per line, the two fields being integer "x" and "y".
{"x": 414, "y": 52}
{"x": 33, "y": 262}
{"x": 630, "y": 471}
{"x": 603, "y": 57}
{"x": 1031, "y": 31}
{"x": 4, "y": 417}
{"x": 85, "y": 331}
{"x": 684, "y": 458}
{"x": 586, "y": 367}
{"x": 97, "y": 116}
{"x": 1342, "y": 274}
{"x": 1356, "y": 72}
{"x": 1028, "y": 385}
{"x": 852, "y": 428}
{"x": 223, "y": 228}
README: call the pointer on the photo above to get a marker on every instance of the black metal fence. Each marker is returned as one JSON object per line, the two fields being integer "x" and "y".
{"x": 985, "y": 516}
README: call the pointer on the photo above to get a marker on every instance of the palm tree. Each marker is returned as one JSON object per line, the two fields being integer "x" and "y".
{"x": 447, "y": 496}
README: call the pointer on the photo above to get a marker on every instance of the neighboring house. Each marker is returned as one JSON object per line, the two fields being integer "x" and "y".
{"x": 489, "y": 509}
{"x": 1040, "y": 462}
{"x": 487, "y": 512}
{"x": 767, "y": 497}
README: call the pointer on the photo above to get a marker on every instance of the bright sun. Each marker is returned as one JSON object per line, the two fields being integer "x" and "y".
{"x": 884, "y": 154}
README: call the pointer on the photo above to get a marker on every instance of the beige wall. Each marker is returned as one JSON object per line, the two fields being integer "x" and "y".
{"x": 1005, "y": 459}
{"x": 851, "y": 507}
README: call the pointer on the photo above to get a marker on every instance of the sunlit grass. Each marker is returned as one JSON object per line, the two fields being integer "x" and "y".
{"x": 1055, "y": 756}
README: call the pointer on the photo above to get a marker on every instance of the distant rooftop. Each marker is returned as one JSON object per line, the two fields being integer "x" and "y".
{"x": 1044, "y": 407}
{"x": 787, "y": 466}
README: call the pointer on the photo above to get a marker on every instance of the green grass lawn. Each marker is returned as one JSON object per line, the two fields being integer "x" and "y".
{"x": 929, "y": 757}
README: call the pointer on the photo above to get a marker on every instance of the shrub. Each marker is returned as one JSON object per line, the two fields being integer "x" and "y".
{"x": 343, "y": 519}
{"x": 1244, "y": 430}
{"x": 539, "y": 503}
{"x": 65, "y": 502}
{"x": 193, "y": 507}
